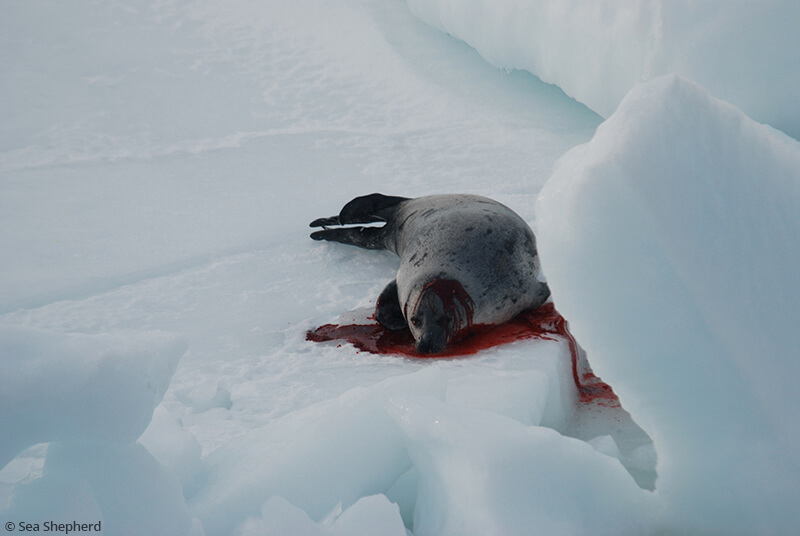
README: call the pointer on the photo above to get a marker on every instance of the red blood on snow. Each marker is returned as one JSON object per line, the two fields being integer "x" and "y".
{"x": 454, "y": 299}
{"x": 543, "y": 323}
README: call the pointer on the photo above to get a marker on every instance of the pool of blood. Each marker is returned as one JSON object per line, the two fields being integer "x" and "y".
{"x": 543, "y": 323}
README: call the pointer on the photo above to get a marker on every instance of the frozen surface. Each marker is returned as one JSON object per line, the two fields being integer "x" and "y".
{"x": 147, "y": 137}
{"x": 671, "y": 243}
{"x": 596, "y": 50}
{"x": 71, "y": 387}
{"x": 159, "y": 163}
{"x": 121, "y": 486}
{"x": 482, "y": 473}
{"x": 90, "y": 397}
{"x": 371, "y": 515}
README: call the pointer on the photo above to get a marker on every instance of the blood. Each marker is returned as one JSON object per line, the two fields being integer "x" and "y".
{"x": 454, "y": 299}
{"x": 544, "y": 323}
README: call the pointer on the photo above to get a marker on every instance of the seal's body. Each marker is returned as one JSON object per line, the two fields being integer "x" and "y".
{"x": 465, "y": 260}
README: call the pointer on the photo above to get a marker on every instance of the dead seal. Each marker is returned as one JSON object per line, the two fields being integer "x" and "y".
{"x": 465, "y": 261}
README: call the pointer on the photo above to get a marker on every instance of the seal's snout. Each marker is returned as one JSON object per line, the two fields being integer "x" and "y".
{"x": 433, "y": 341}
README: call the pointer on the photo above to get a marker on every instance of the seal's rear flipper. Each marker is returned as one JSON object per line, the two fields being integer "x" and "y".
{"x": 387, "y": 311}
{"x": 324, "y": 222}
{"x": 363, "y": 237}
{"x": 365, "y": 209}
{"x": 369, "y": 208}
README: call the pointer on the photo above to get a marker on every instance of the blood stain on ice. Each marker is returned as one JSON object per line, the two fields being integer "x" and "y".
{"x": 544, "y": 323}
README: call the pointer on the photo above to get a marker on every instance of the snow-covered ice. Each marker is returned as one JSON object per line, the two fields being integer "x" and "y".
{"x": 483, "y": 473}
{"x": 72, "y": 387}
{"x": 670, "y": 242}
{"x": 373, "y": 514}
{"x": 596, "y": 50}
{"x": 90, "y": 397}
{"x": 160, "y": 161}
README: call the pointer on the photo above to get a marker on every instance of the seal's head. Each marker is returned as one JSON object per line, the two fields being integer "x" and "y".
{"x": 442, "y": 309}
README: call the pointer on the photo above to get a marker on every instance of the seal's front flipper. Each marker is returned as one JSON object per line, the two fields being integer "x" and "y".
{"x": 387, "y": 311}
{"x": 363, "y": 237}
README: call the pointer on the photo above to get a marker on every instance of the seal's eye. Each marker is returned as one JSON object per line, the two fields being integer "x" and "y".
{"x": 416, "y": 321}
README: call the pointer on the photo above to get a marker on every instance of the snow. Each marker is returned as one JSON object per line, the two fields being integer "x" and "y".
{"x": 331, "y": 453}
{"x": 670, "y": 242}
{"x": 483, "y": 473}
{"x": 90, "y": 397}
{"x": 597, "y": 50}
{"x": 119, "y": 485}
{"x": 73, "y": 387}
{"x": 160, "y": 161}
{"x": 373, "y": 514}
{"x": 172, "y": 446}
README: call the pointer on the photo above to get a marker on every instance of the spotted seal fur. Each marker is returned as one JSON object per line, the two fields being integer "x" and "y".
{"x": 465, "y": 261}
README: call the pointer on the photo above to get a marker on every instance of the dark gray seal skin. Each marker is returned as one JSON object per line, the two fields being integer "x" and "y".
{"x": 465, "y": 261}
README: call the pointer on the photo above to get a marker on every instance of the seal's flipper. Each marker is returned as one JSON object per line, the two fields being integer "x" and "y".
{"x": 387, "y": 311}
{"x": 324, "y": 222}
{"x": 363, "y": 237}
{"x": 365, "y": 209}
{"x": 369, "y": 208}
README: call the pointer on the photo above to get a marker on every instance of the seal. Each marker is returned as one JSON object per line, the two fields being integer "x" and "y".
{"x": 465, "y": 261}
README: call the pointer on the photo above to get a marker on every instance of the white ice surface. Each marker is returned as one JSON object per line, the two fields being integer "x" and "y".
{"x": 89, "y": 397}
{"x": 671, "y": 243}
{"x": 72, "y": 387}
{"x": 118, "y": 485}
{"x": 159, "y": 163}
{"x": 373, "y": 514}
{"x": 744, "y": 52}
{"x": 483, "y": 473}
{"x": 148, "y": 137}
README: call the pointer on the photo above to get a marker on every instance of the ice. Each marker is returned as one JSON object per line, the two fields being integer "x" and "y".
{"x": 371, "y": 515}
{"x": 119, "y": 168}
{"x": 90, "y": 397}
{"x": 174, "y": 448}
{"x": 73, "y": 387}
{"x": 333, "y": 452}
{"x": 606, "y": 445}
{"x": 518, "y": 395}
{"x": 545, "y": 396}
{"x": 120, "y": 486}
{"x": 347, "y": 447}
{"x": 596, "y": 51}
{"x": 482, "y": 473}
{"x": 670, "y": 242}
